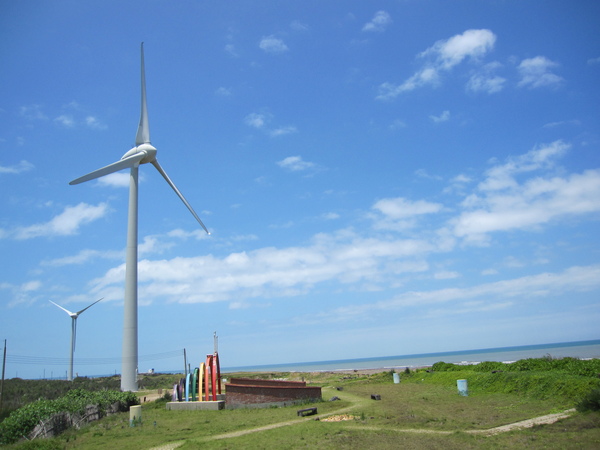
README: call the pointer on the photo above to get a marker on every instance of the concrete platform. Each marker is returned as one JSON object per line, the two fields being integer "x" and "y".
{"x": 196, "y": 406}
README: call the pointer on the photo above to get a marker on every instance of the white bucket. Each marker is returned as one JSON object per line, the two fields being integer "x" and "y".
{"x": 463, "y": 388}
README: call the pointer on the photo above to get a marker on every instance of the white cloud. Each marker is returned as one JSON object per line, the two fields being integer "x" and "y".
{"x": 269, "y": 272}
{"x": 444, "y": 117}
{"x": 423, "y": 77}
{"x": 94, "y": 123}
{"x": 462, "y": 178}
{"x": 536, "y": 72}
{"x": 401, "y": 208}
{"x": 502, "y": 176}
{"x": 572, "y": 279}
{"x": 446, "y": 275}
{"x": 23, "y": 293}
{"x": 397, "y": 124}
{"x": 442, "y": 56}
{"x": 23, "y": 166}
{"x": 82, "y": 257}
{"x": 255, "y": 120}
{"x": 488, "y": 296}
{"x": 66, "y": 223}
{"x": 65, "y": 120}
{"x": 224, "y": 92}
{"x": 573, "y": 122}
{"x": 283, "y": 131}
{"x": 482, "y": 83}
{"x": 230, "y": 48}
{"x": 330, "y": 216}
{"x": 116, "y": 179}
{"x": 486, "y": 81}
{"x": 488, "y": 272}
{"x": 296, "y": 25}
{"x": 295, "y": 164}
{"x": 153, "y": 244}
{"x": 261, "y": 120}
{"x": 32, "y": 112}
{"x": 592, "y": 61}
{"x": 470, "y": 44}
{"x": 379, "y": 22}
{"x": 197, "y": 234}
{"x": 534, "y": 203}
{"x": 422, "y": 173}
{"x": 271, "y": 44}
{"x": 504, "y": 203}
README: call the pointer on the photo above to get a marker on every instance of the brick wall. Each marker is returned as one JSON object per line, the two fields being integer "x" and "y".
{"x": 268, "y": 392}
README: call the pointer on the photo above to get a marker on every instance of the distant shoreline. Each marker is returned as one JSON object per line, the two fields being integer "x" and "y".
{"x": 580, "y": 349}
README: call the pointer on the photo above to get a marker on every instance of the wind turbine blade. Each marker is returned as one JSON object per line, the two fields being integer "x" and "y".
{"x": 166, "y": 177}
{"x": 143, "y": 132}
{"x": 65, "y": 310}
{"x": 114, "y": 167}
{"x": 79, "y": 312}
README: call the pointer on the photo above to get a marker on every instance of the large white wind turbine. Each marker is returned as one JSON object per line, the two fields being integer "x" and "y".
{"x": 142, "y": 153}
{"x": 74, "y": 317}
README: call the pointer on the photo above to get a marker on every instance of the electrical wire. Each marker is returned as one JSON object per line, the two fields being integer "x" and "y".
{"x": 52, "y": 361}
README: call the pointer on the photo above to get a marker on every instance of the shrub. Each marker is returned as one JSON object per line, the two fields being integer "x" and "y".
{"x": 591, "y": 402}
{"x": 23, "y": 420}
{"x": 442, "y": 366}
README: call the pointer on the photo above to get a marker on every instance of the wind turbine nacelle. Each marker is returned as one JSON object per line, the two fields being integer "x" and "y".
{"x": 148, "y": 149}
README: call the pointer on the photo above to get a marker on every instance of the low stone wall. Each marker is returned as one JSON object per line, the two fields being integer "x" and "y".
{"x": 250, "y": 393}
{"x": 56, "y": 424}
{"x": 196, "y": 406}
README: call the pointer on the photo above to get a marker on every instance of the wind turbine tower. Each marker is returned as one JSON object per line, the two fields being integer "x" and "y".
{"x": 74, "y": 317}
{"x": 142, "y": 153}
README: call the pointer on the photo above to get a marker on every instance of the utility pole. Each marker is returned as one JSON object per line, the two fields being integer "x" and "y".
{"x": 2, "y": 383}
{"x": 184, "y": 363}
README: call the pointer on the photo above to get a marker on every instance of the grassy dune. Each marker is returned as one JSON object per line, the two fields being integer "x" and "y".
{"x": 423, "y": 411}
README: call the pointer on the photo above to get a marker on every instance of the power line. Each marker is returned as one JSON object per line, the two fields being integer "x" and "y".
{"x": 52, "y": 361}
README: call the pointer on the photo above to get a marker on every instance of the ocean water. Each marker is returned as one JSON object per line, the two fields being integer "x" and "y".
{"x": 582, "y": 350}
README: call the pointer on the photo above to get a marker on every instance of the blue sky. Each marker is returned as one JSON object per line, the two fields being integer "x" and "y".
{"x": 379, "y": 178}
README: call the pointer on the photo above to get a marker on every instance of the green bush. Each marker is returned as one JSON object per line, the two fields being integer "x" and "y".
{"x": 23, "y": 420}
{"x": 591, "y": 402}
{"x": 571, "y": 366}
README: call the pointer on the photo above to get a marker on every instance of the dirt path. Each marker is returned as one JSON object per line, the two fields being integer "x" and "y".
{"x": 529, "y": 423}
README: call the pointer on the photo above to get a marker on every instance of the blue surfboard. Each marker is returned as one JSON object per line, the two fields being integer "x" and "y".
{"x": 187, "y": 387}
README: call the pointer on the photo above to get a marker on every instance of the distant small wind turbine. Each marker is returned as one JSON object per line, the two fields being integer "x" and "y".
{"x": 142, "y": 153}
{"x": 74, "y": 317}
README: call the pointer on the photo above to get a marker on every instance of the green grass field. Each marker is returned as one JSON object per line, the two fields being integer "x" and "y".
{"x": 423, "y": 411}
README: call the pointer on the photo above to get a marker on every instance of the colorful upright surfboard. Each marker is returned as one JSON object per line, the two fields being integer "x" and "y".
{"x": 195, "y": 385}
{"x": 201, "y": 382}
{"x": 218, "y": 364}
{"x": 207, "y": 376}
{"x": 180, "y": 389}
{"x": 187, "y": 387}
{"x": 213, "y": 371}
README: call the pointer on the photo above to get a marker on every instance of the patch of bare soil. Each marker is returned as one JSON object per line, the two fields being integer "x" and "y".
{"x": 339, "y": 418}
